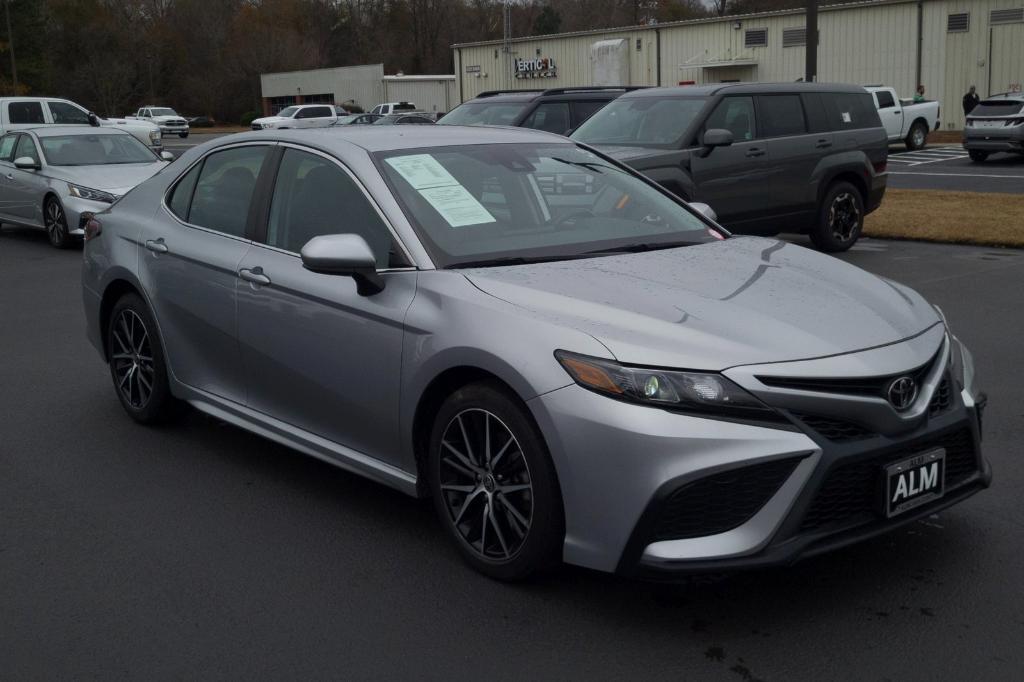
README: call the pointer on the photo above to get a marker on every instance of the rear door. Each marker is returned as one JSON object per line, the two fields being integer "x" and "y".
{"x": 891, "y": 112}
{"x": 190, "y": 265}
{"x": 8, "y": 197}
{"x": 792, "y": 155}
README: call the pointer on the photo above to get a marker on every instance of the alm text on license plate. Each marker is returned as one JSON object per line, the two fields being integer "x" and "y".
{"x": 915, "y": 481}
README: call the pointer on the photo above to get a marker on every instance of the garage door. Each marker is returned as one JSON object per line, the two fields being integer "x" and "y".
{"x": 1007, "y": 62}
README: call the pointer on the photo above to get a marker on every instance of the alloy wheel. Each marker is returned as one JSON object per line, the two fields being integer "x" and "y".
{"x": 56, "y": 227}
{"x": 918, "y": 136}
{"x": 486, "y": 485}
{"x": 132, "y": 358}
{"x": 843, "y": 216}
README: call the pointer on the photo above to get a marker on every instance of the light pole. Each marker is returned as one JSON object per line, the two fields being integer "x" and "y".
{"x": 811, "y": 42}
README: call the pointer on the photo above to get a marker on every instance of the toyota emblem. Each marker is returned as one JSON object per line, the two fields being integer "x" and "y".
{"x": 902, "y": 392}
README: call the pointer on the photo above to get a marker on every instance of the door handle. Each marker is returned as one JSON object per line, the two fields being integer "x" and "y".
{"x": 823, "y": 144}
{"x": 895, "y": 112}
{"x": 254, "y": 275}
{"x": 156, "y": 245}
{"x": 755, "y": 152}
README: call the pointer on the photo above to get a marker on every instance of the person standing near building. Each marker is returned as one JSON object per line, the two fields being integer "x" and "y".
{"x": 919, "y": 95}
{"x": 971, "y": 100}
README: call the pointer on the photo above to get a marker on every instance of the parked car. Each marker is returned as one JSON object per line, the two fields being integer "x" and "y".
{"x": 768, "y": 158}
{"x": 169, "y": 121}
{"x": 995, "y": 125}
{"x": 557, "y": 110}
{"x": 905, "y": 120}
{"x": 405, "y": 118}
{"x": 299, "y": 116}
{"x": 17, "y": 113}
{"x": 570, "y": 360}
{"x": 201, "y": 122}
{"x": 358, "y": 119}
{"x": 53, "y": 177}
{"x": 393, "y": 108}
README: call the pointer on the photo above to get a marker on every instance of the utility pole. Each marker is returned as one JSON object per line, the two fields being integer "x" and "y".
{"x": 811, "y": 42}
{"x": 10, "y": 46}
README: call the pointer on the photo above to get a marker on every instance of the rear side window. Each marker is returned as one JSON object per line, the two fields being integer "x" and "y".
{"x": 780, "y": 115}
{"x": 224, "y": 189}
{"x": 25, "y": 112}
{"x": 814, "y": 108}
{"x": 550, "y": 116}
{"x": 850, "y": 111}
{"x": 735, "y": 114}
{"x": 181, "y": 195}
{"x": 26, "y": 147}
{"x": 885, "y": 99}
{"x": 316, "y": 112}
{"x": 64, "y": 113}
{"x": 7, "y": 147}
{"x": 581, "y": 111}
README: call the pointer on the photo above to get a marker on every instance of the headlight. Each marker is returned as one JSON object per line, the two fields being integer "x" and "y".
{"x": 91, "y": 194}
{"x": 154, "y": 136}
{"x": 686, "y": 391}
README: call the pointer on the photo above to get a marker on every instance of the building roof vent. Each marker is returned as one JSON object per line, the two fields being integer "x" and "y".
{"x": 1006, "y": 16}
{"x": 755, "y": 37}
{"x": 958, "y": 23}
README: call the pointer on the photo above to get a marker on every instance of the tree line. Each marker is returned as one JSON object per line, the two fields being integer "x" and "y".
{"x": 204, "y": 57}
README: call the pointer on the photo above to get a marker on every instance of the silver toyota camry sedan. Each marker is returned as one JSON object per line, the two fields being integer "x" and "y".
{"x": 54, "y": 176}
{"x": 571, "y": 362}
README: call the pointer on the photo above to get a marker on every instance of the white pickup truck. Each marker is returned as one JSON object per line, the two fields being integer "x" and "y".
{"x": 903, "y": 118}
{"x": 301, "y": 116}
{"x": 167, "y": 119}
{"x": 32, "y": 112}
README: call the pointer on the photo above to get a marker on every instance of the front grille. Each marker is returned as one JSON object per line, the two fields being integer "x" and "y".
{"x": 942, "y": 398}
{"x": 720, "y": 502}
{"x": 874, "y": 386}
{"x": 851, "y": 490}
{"x": 834, "y": 429}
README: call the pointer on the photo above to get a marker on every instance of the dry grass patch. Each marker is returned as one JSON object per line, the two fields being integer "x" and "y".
{"x": 955, "y": 217}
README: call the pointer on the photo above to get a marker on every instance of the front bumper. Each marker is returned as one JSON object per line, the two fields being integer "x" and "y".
{"x": 74, "y": 210}
{"x": 173, "y": 129}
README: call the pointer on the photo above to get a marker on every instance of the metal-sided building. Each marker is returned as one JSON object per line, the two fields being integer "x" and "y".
{"x": 946, "y": 45}
{"x": 364, "y": 85}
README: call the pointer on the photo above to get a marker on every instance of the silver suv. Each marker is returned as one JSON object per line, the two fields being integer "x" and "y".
{"x": 995, "y": 125}
{"x": 572, "y": 362}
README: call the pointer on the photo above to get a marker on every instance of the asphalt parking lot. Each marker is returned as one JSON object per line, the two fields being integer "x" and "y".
{"x": 200, "y": 551}
{"x": 947, "y": 167}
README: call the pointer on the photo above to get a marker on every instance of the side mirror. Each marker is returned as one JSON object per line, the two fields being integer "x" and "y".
{"x": 26, "y": 163}
{"x": 716, "y": 137}
{"x": 94, "y": 120}
{"x": 347, "y": 255}
{"x": 166, "y": 156}
{"x": 705, "y": 211}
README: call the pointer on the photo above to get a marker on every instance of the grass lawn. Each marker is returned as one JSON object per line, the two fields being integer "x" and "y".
{"x": 955, "y": 217}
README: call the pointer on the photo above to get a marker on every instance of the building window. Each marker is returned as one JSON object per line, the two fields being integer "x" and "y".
{"x": 327, "y": 98}
{"x": 756, "y": 37}
{"x": 794, "y": 37}
{"x": 1006, "y": 16}
{"x": 279, "y": 103}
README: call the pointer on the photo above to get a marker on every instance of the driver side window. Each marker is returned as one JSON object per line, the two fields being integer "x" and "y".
{"x": 26, "y": 147}
{"x": 735, "y": 114}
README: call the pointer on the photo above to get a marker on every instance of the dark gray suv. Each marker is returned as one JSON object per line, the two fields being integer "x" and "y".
{"x": 768, "y": 158}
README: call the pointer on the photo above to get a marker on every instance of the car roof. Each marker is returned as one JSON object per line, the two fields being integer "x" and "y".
{"x": 389, "y": 138}
{"x": 1005, "y": 96}
{"x": 530, "y": 95}
{"x": 742, "y": 89}
{"x": 54, "y": 130}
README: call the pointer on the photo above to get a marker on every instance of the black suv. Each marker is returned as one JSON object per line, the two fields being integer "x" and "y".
{"x": 768, "y": 158}
{"x": 559, "y": 110}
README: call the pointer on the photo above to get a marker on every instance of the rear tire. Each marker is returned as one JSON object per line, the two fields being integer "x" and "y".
{"x": 840, "y": 218}
{"x": 137, "y": 364}
{"x": 977, "y": 156}
{"x": 493, "y": 483}
{"x": 56, "y": 224}
{"x": 917, "y": 138}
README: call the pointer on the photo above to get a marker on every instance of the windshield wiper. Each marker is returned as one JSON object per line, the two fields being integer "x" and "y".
{"x": 643, "y": 246}
{"x": 517, "y": 260}
{"x": 592, "y": 166}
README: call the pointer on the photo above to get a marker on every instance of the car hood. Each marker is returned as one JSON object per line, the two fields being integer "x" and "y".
{"x": 740, "y": 301}
{"x": 271, "y": 119}
{"x": 114, "y": 178}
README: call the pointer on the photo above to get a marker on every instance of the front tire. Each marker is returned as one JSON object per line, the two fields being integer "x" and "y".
{"x": 840, "y": 218}
{"x": 493, "y": 483}
{"x": 917, "y": 137}
{"x": 137, "y": 364}
{"x": 56, "y": 224}
{"x": 977, "y": 156}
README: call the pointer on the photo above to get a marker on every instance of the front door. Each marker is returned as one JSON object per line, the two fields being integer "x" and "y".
{"x": 318, "y": 355}
{"x": 188, "y": 265}
{"x": 24, "y": 189}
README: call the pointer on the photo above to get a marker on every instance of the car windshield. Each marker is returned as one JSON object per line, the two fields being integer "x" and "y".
{"x": 288, "y": 112}
{"x": 484, "y": 114}
{"x": 94, "y": 150}
{"x": 163, "y": 112}
{"x": 642, "y": 121}
{"x": 997, "y": 108}
{"x": 478, "y": 205}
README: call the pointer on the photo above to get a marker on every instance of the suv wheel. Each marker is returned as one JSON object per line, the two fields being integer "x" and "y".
{"x": 494, "y": 485}
{"x": 917, "y": 136}
{"x": 977, "y": 156}
{"x": 840, "y": 218}
{"x": 56, "y": 224}
{"x": 137, "y": 365}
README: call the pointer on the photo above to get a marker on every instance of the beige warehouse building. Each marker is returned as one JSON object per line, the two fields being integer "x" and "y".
{"x": 947, "y": 45}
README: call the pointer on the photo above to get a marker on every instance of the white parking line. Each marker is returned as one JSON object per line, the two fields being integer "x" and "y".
{"x": 959, "y": 175}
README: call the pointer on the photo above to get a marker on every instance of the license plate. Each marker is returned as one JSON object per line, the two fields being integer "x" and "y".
{"x": 915, "y": 481}
{"x": 989, "y": 124}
